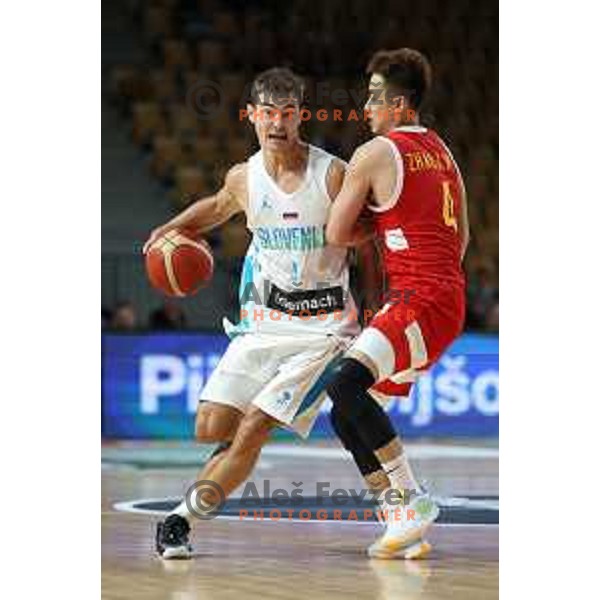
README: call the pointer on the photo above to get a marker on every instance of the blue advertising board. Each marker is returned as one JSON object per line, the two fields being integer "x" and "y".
{"x": 151, "y": 385}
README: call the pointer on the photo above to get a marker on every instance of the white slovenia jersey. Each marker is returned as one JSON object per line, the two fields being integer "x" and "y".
{"x": 292, "y": 281}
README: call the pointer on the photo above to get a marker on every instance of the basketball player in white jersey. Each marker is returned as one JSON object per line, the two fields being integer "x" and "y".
{"x": 298, "y": 312}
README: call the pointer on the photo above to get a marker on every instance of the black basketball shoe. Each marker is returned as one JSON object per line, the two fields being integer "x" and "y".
{"x": 172, "y": 538}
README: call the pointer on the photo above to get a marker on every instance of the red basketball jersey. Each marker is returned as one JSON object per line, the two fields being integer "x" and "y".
{"x": 419, "y": 227}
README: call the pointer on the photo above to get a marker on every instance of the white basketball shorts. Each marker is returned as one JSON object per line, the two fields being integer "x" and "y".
{"x": 284, "y": 376}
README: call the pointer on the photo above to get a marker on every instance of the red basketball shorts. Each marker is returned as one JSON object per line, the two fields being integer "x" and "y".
{"x": 405, "y": 339}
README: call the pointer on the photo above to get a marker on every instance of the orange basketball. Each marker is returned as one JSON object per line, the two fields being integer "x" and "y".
{"x": 178, "y": 265}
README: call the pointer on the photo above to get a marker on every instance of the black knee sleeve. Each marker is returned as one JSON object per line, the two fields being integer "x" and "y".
{"x": 348, "y": 392}
{"x": 349, "y": 379}
{"x": 365, "y": 459}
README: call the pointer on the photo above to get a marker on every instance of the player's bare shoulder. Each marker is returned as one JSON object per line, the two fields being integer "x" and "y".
{"x": 376, "y": 163}
{"x": 236, "y": 184}
{"x": 372, "y": 154}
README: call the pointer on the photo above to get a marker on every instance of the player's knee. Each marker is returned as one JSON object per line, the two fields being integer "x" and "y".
{"x": 207, "y": 432}
{"x": 216, "y": 422}
{"x": 254, "y": 430}
{"x": 350, "y": 381}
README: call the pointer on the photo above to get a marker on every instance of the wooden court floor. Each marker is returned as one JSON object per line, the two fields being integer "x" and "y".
{"x": 283, "y": 560}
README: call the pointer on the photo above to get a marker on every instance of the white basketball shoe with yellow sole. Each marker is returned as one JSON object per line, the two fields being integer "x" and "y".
{"x": 405, "y": 529}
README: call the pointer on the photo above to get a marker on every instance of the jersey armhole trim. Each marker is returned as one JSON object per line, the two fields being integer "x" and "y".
{"x": 399, "y": 178}
{"x": 323, "y": 171}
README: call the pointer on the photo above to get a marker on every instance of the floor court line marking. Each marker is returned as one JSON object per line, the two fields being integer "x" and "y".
{"x": 421, "y": 451}
{"x": 129, "y": 506}
{"x": 108, "y": 465}
{"x": 121, "y": 507}
{"x": 415, "y": 451}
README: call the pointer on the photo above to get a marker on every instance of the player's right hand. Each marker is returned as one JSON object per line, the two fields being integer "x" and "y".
{"x": 154, "y": 235}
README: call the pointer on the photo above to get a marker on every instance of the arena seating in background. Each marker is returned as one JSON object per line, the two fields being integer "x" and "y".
{"x": 189, "y": 41}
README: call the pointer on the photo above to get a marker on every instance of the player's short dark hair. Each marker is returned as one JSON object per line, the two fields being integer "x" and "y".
{"x": 277, "y": 84}
{"x": 405, "y": 70}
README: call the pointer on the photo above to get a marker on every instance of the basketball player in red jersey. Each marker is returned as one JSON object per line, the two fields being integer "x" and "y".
{"x": 408, "y": 181}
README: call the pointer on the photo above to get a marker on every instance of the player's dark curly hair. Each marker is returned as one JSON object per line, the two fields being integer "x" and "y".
{"x": 406, "y": 71}
{"x": 276, "y": 85}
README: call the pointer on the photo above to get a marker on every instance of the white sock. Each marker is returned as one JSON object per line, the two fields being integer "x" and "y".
{"x": 400, "y": 474}
{"x": 183, "y": 510}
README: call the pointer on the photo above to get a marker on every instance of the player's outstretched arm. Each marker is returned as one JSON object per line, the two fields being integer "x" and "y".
{"x": 369, "y": 277}
{"x": 344, "y": 227}
{"x": 366, "y": 255}
{"x": 212, "y": 211}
